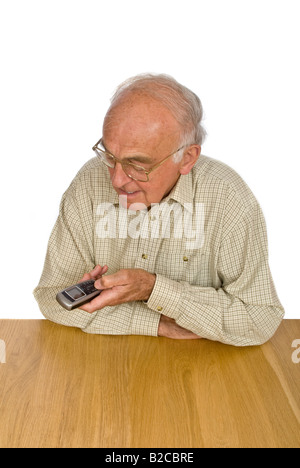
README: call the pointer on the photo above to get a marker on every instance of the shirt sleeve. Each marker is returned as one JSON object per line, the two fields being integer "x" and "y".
{"x": 69, "y": 256}
{"x": 245, "y": 310}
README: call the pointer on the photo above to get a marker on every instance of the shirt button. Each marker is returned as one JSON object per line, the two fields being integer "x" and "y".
{"x": 185, "y": 259}
{"x": 144, "y": 256}
{"x": 159, "y": 309}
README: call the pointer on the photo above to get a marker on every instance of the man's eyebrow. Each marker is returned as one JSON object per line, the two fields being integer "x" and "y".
{"x": 140, "y": 158}
{"x": 135, "y": 157}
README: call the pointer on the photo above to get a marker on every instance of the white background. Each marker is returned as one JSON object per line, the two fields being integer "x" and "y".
{"x": 60, "y": 63}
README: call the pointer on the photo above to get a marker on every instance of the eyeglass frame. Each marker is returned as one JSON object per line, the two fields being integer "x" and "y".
{"x": 147, "y": 172}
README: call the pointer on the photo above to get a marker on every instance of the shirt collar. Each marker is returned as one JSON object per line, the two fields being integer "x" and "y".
{"x": 183, "y": 192}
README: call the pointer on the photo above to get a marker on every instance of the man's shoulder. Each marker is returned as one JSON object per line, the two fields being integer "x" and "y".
{"x": 92, "y": 173}
{"x": 91, "y": 183}
{"x": 90, "y": 167}
{"x": 219, "y": 179}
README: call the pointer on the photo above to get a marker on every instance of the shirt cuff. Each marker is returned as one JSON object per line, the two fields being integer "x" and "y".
{"x": 144, "y": 321}
{"x": 166, "y": 297}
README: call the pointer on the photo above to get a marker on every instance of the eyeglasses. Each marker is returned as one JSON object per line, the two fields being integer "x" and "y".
{"x": 133, "y": 171}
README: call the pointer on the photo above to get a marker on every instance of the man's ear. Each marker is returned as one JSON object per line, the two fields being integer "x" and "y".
{"x": 189, "y": 159}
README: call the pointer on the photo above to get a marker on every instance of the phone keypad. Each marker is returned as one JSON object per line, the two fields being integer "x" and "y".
{"x": 88, "y": 287}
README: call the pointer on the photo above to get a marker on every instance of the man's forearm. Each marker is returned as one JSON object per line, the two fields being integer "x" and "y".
{"x": 215, "y": 314}
{"x": 170, "y": 329}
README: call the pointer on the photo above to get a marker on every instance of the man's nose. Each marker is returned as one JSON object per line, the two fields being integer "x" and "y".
{"x": 119, "y": 178}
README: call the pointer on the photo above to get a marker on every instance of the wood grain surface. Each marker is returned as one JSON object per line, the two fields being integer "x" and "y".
{"x": 61, "y": 387}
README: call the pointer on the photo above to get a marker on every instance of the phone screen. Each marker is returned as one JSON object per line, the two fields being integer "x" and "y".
{"x": 75, "y": 293}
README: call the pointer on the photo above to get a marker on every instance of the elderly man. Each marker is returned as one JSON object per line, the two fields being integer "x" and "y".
{"x": 175, "y": 240}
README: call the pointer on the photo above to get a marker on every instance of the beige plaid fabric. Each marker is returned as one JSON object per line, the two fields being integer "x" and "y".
{"x": 206, "y": 242}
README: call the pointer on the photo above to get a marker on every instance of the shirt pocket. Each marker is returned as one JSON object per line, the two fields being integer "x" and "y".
{"x": 194, "y": 268}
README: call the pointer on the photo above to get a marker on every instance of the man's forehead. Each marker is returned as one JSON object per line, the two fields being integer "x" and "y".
{"x": 142, "y": 109}
{"x": 144, "y": 145}
{"x": 142, "y": 125}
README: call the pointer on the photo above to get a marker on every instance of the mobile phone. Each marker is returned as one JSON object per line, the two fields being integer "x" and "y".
{"x": 77, "y": 295}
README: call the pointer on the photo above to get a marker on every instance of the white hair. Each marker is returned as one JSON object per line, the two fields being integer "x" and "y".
{"x": 183, "y": 103}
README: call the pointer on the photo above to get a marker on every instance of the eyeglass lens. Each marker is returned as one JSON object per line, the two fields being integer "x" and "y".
{"x": 132, "y": 171}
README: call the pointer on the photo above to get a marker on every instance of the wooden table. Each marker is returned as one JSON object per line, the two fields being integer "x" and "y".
{"x": 61, "y": 387}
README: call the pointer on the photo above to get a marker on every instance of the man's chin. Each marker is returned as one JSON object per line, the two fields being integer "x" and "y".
{"x": 137, "y": 207}
{"x": 128, "y": 202}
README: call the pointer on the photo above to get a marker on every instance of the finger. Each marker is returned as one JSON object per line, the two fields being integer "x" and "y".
{"x": 95, "y": 274}
{"x": 98, "y": 271}
{"x": 91, "y": 275}
{"x": 104, "y": 270}
{"x": 85, "y": 277}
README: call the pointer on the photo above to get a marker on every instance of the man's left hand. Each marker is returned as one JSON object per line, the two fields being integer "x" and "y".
{"x": 124, "y": 286}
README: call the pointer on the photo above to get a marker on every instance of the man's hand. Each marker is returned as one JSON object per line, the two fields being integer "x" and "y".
{"x": 169, "y": 328}
{"x": 126, "y": 286}
{"x": 95, "y": 274}
{"x": 118, "y": 288}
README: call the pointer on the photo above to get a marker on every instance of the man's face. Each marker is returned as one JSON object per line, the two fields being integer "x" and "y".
{"x": 141, "y": 130}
